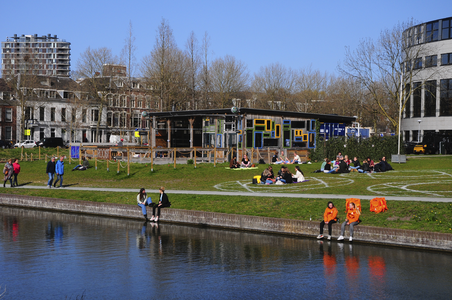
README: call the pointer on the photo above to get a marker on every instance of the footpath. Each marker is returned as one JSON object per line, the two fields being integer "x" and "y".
{"x": 310, "y": 229}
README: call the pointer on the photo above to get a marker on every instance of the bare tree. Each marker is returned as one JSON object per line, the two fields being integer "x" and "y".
{"x": 228, "y": 77}
{"x": 275, "y": 85}
{"x": 193, "y": 66}
{"x": 164, "y": 69}
{"x": 21, "y": 86}
{"x": 205, "y": 77}
{"x": 128, "y": 53}
{"x": 378, "y": 66}
{"x": 90, "y": 68}
{"x": 311, "y": 88}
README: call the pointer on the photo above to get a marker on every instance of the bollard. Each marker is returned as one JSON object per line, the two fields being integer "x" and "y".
{"x": 194, "y": 160}
{"x": 118, "y": 165}
{"x": 95, "y": 159}
{"x": 108, "y": 169}
{"x": 174, "y": 158}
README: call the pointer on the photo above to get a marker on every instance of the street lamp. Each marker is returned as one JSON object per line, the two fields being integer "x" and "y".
{"x": 419, "y": 132}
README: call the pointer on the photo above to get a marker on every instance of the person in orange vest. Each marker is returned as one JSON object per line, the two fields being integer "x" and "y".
{"x": 329, "y": 218}
{"x": 352, "y": 219}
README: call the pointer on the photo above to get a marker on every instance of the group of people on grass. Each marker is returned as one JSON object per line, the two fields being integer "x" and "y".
{"x": 245, "y": 163}
{"x": 342, "y": 164}
{"x": 284, "y": 160}
{"x": 330, "y": 217}
{"x": 11, "y": 171}
{"x": 284, "y": 176}
{"x": 143, "y": 201}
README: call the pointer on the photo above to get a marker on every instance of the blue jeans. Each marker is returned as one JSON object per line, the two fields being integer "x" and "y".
{"x": 60, "y": 179}
{"x": 51, "y": 175}
{"x": 143, "y": 206}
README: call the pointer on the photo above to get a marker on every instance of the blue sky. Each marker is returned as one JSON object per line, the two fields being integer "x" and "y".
{"x": 297, "y": 34}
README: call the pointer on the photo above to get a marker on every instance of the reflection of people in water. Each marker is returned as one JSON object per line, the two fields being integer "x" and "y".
{"x": 54, "y": 233}
{"x": 143, "y": 237}
{"x": 377, "y": 270}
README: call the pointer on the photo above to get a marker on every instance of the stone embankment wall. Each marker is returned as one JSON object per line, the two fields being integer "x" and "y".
{"x": 363, "y": 234}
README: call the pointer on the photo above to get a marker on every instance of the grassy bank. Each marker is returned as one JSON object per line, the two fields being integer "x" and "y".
{"x": 421, "y": 176}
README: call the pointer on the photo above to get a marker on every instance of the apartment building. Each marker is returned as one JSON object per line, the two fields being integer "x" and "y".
{"x": 39, "y": 55}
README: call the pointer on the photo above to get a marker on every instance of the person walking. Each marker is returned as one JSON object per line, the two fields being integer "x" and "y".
{"x": 163, "y": 202}
{"x": 50, "y": 171}
{"x": 59, "y": 170}
{"x": 16, "y": 168}
{"x": 143, "y": 200}
{"x": 8, "y": 171}
{"x": 329, "y": 218}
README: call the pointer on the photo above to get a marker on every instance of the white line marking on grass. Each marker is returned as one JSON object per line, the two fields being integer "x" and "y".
{"x": 321, "y": 181}
{"x": 245, "y": 186}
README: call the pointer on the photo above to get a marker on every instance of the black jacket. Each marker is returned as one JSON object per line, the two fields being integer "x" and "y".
{"x": 165, "y": 201}
{"x": 50, "y": 167}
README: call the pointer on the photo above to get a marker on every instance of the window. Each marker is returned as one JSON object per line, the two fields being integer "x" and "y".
{"x": 417, "y": 99}
{"x": 94, "y": 115}
{"x": 408, "y": 102}
{"x": 418, "y": 63}
{"x": 52, "y": 132}
{"x": 52, "y": 114}
{"x": 446, "y": 32}
{"x": 8, "y": 133}
{"x": 0, "y": 114}
{"x": 8, "y": 114}
{"x": 136, "y": 121}
{"x": 407, "y": 136}
{"x": 132, "y": 101}
{"x": 445, "y": 100}
{"x": 73, "y": 115}
{"x": 430, "y": 99}
{"x": 84, "y": 116}
{"x": 432, "y": 31}
{"x": 28, "y": 113}
{"x": 407, "y": 69}
{"x": 109, "y": 114}
{"x": 116, "y": 119}
{"x": 446, "y": 59}
{"x": 431, "y": 61}
{"x": 41, "y": 113}
{"x": 63, "y": 115}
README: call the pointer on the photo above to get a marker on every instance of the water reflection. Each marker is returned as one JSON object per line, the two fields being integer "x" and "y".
{"x": 64, "y": 255}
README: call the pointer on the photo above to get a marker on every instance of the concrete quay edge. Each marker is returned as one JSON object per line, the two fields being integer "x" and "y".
{"x": 363, "y": 234}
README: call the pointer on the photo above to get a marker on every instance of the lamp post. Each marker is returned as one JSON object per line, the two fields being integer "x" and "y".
{"x": 419, "y": 132}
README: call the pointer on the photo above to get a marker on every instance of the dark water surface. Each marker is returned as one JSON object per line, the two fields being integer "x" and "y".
{"x": 45, "y": 255}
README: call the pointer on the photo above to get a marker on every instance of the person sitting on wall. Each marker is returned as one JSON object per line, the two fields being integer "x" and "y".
{"x": 245, "y": 162}
{"x": 233, "y": 164}
{"x": 282, "y": 159}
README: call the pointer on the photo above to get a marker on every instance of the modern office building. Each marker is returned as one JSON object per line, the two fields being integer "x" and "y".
{"x": 429, "y": 109}
{"x": 39, "y": 55}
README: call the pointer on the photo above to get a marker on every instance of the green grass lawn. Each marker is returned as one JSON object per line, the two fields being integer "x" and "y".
{"x": 429, "y": 176}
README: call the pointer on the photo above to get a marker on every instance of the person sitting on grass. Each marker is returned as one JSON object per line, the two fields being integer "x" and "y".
{"x": 371, "y": 163}
{"x": 329, "y": 218}
{"x": 266, "y": 177}
{"x": 233, "y": 164}
{"x": 387, "y": 165}
{"x": 352, "y": 219}
{"x": 365, "y": 168}
{"x": 328, "y": 168}
{"x": 356, "y": 165}
{"x": 298, "y": 176}
{"x": 245, "y": 162}
{"x": 346, "y": 160}
{"x": 286, "y": 176}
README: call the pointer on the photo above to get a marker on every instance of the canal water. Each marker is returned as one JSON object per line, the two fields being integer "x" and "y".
{"x": 47, "y": 255}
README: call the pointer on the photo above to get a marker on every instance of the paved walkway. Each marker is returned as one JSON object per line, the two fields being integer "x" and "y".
{"x": 281, "y": 195}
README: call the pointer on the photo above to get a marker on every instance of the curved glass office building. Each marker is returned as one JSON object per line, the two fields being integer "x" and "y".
{"x": 429, "y": 108}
